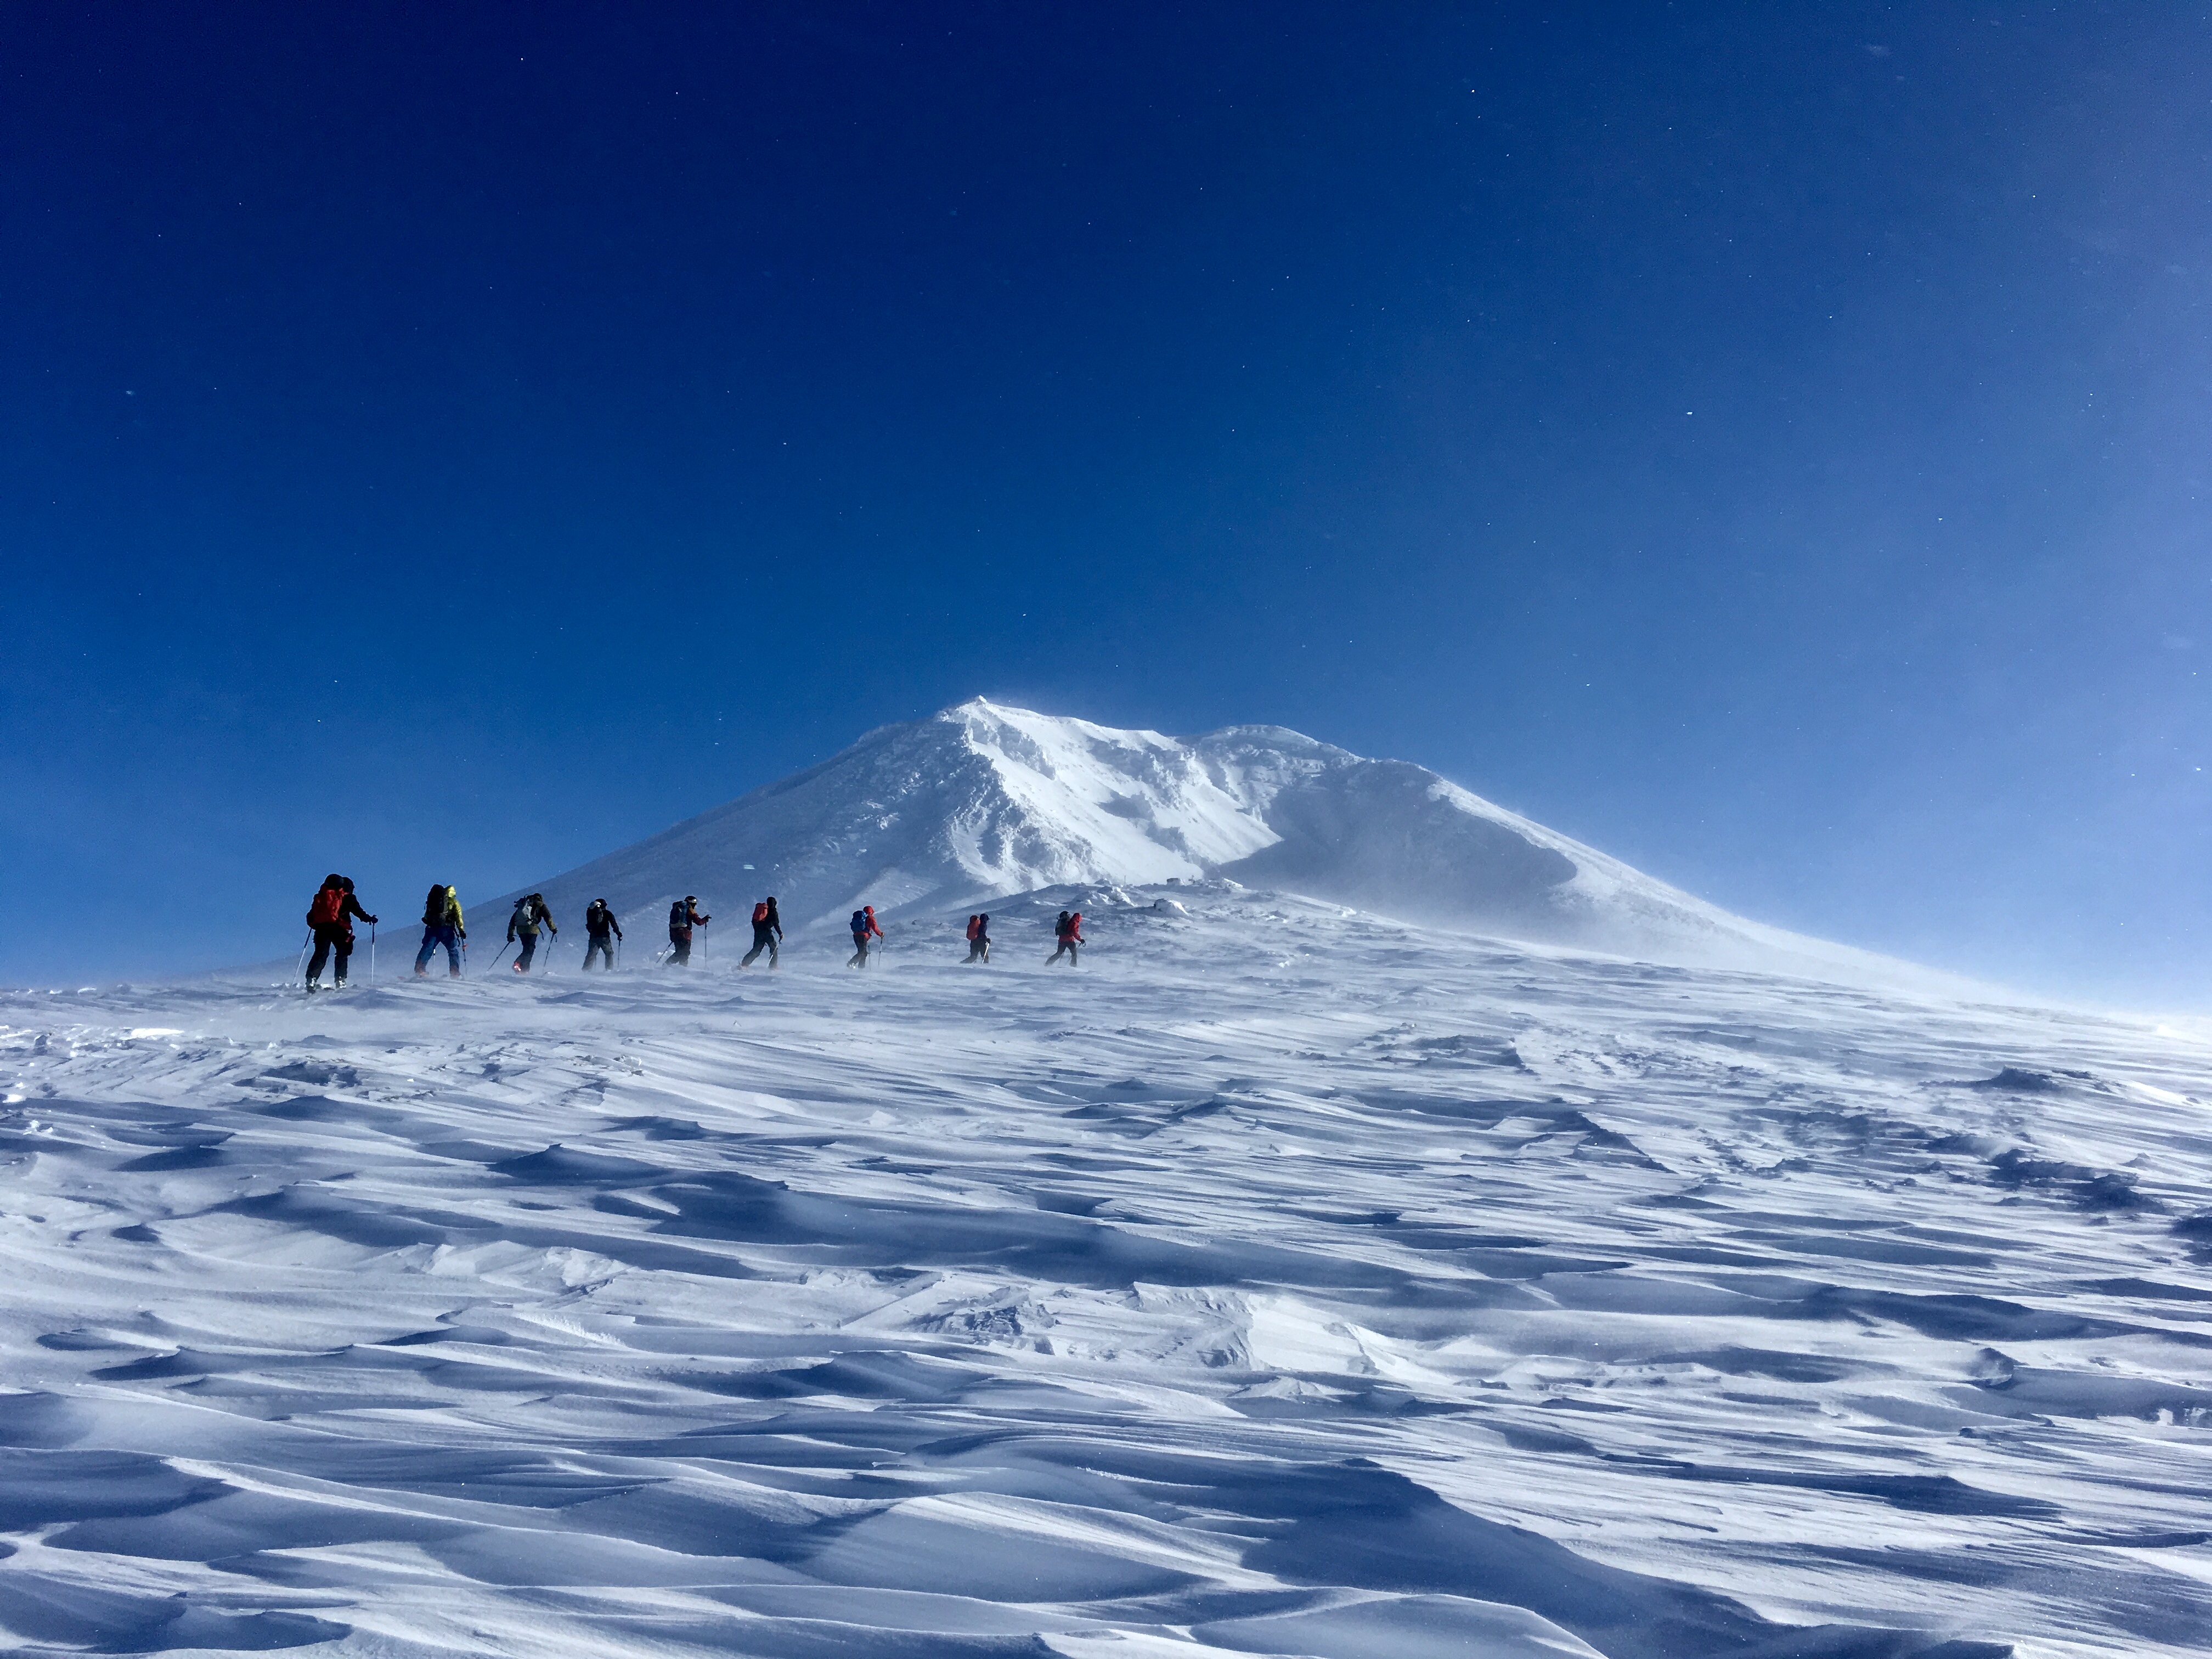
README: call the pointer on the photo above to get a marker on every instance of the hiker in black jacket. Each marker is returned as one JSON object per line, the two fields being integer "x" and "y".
{"x": 331, "y": 916}
{"x": 530, "y": 917}
{"x": 600, "y": 931}
{"x": 768, "y": 933}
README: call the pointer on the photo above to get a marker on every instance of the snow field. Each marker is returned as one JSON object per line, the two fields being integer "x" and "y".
{"x": 1283, "y": 1280}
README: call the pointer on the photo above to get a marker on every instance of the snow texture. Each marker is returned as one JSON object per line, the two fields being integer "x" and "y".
{"x": 1284, "y": 1279}
{"x": 982, "y": 801}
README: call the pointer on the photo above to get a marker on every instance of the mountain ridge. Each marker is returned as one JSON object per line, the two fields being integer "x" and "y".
{"x": 983, "y": 800}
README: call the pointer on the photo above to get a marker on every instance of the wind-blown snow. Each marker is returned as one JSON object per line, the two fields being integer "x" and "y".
{"x": 1283, "y": 1280}
{"x": 983, "y": 801}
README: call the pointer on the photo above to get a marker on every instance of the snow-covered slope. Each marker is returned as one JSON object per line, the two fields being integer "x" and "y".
{"x": 983, "y": 801}
{"x": 1281, "y": 1281}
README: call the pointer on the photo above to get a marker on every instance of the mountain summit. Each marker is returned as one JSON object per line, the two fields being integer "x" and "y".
{"x": 983, "y": 801}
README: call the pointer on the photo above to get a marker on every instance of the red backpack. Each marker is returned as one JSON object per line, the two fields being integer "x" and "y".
{"x": 972, "y": 926}
{"x": 328, "y": 907}
{"x": 760, "y": 914}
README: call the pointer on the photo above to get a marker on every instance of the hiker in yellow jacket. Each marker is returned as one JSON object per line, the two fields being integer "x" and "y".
{"x": 442, "y": 925}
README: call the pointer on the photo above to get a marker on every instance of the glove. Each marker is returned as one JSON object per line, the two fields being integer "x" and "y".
{"x": 464, "y": 932}
{"x": 372, "y": 921}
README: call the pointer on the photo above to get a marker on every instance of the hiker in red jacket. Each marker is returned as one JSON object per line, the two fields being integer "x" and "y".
{"x": 330, "y": 915}
{"x": 768, "y": 933}
{"x": 863, "y": 929}
{"x": 682, "y": 916}
{"x": 1068, "y": 930}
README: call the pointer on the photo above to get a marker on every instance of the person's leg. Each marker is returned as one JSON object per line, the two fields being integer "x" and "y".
{"x": 529, "y": 949}
{"x": 422, "y": 956}
{"x": 1074, "y": 953}
{"x": 450, "y": 937}
{"x": 774, "y": 950}
{"x": 322, "y": 955}
{"x": 344, "y": 949}
{"x": 683, "y": 957}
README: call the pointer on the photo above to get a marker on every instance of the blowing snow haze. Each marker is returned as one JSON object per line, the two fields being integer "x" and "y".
{"x": 984, "y": 801}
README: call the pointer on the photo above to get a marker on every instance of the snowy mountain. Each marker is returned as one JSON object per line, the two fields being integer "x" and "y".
{"x": 983, "y": 801}
{"x": 1280, "y": 1282}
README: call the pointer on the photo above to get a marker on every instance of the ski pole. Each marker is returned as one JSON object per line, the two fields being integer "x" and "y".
{"x": 299, "y": 968}
{"x": 372, "y": 953}
{"x": 502, "y": 951}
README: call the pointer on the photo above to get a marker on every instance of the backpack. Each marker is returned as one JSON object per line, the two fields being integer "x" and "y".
{"x": 974, "y": 926}
{"x": 760, "y": 914}
{"x": 860, "y": 921}
{"x": 433, "y": 909}
{"x": 329, "y": 907}
{"x": 679, "y": 914}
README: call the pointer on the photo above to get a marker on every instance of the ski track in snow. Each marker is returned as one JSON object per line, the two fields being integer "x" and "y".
{"x": 1281, "y": 1281}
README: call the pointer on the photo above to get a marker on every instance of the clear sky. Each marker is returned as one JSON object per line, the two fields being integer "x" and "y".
{"x": 1768, "y": 441}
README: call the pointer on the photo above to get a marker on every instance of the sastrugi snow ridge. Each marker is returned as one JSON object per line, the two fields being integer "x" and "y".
{"x": 983, "y": 801}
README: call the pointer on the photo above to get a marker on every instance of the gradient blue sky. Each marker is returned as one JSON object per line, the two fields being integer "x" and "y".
{"x": 1766, "y": 442}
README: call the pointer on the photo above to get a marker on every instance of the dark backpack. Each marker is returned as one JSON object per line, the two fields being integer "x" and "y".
{"x": 328, "y": 909}
{"x": 860, "y": 921}
{"x": 679, "y": 914}
{"x": 434, "y": 907}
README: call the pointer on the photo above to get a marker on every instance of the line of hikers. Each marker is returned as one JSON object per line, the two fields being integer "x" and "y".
{"x": 330, "y": 922}
{"x": 602, "y": 931}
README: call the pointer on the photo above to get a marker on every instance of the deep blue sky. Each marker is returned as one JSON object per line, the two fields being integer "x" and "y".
{"x": 1764, "y": 440}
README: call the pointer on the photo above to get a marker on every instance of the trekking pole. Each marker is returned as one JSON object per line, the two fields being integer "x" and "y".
{"x": 503, "y": 950}
{"x": 299, "y": 968}
{"x": 372, "y": 953}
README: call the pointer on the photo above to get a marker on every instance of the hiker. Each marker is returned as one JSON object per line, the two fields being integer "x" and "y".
{"x": 767, "y": 931}
{"x": 979, "y": 939}
{"x": 1068, "y": 930}
{"x": 863, "y": 929}
{"x": 442, "y": 925}
{"x": 330, "y": 915}
{"x": 682, "y": 916}
{"x": 530, "y": 915}
{"x": 599, "y": 924}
